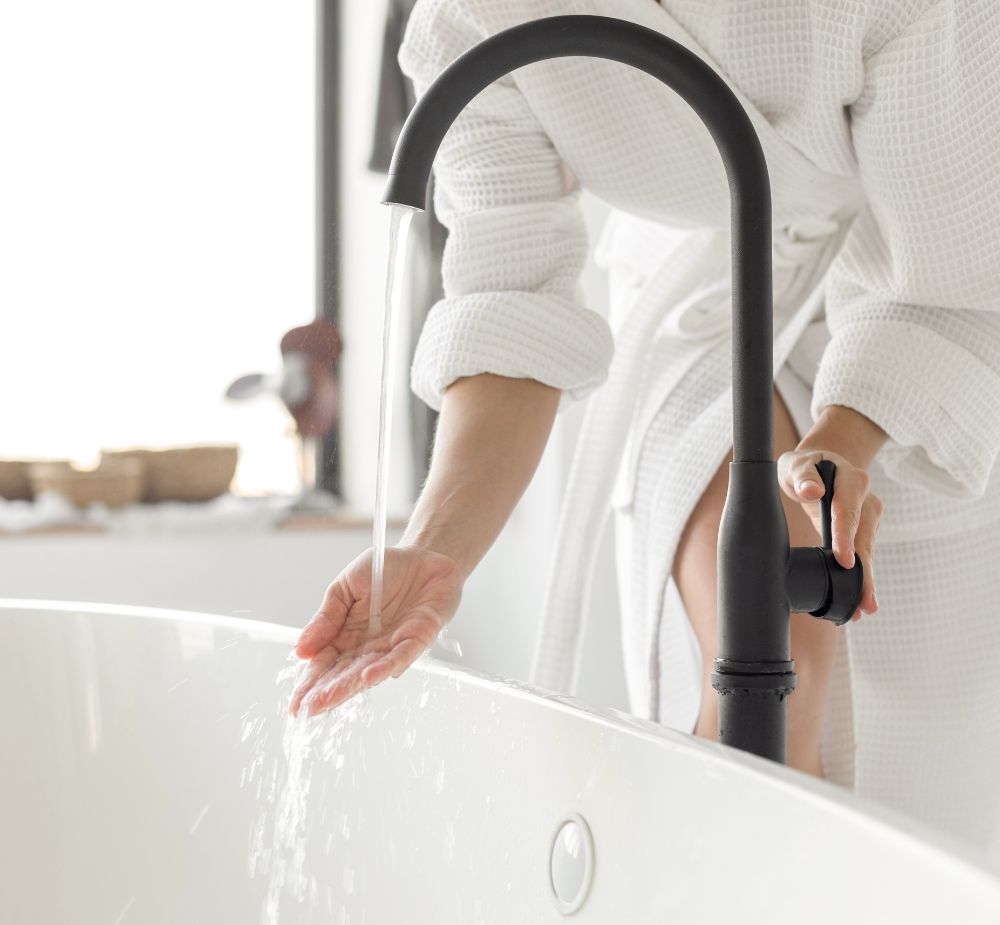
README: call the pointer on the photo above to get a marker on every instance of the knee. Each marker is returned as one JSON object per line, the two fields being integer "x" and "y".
{"x": 806, "y": 706}
{"x": 814, "y": 646}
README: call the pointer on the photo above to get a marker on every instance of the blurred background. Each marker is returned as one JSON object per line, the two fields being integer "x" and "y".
{"x": 192, "y": 299}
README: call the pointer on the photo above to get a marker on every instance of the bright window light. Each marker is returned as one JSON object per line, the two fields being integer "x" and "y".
{"x": 156, "y": 224}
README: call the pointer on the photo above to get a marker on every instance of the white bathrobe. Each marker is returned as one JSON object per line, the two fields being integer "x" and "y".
{"x": 880, "y": 124}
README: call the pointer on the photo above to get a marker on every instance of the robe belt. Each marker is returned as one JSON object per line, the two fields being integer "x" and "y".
{"x": 707, "y": 310}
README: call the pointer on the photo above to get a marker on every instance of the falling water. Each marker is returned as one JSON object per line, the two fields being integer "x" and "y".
{"x": 399, "y": 223}
{"x": 298, "y": 775}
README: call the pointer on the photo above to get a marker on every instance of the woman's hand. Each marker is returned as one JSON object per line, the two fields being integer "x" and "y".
{"x": 855, "y": 511}
{"x": 421, "y": 593}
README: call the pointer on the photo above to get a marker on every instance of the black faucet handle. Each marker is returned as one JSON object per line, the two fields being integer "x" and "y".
{"x": 815, "y": 582}
{"x": 827, "y": 472}
{"x": 846, "y": 585}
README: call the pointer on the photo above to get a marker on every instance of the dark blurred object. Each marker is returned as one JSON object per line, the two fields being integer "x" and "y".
{"x": 316, "y": 346}
{"x": 396, "y": 97}
{"x": 307, "y": 382}
{"x": 290, "y": 383}
{"x": 308, "y": 386}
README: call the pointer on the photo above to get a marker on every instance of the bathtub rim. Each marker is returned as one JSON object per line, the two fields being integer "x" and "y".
{"x": 889, "y": 824}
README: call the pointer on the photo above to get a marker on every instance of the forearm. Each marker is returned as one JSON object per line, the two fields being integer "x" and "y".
{"x": 491, "y": 433}
{"x": 847, "y": 432}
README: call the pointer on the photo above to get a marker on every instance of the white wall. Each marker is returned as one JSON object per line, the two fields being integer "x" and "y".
{"x": 156, "y": 224}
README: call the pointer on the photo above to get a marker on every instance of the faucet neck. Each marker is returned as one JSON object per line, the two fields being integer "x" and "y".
{"x": 725, "y": 118}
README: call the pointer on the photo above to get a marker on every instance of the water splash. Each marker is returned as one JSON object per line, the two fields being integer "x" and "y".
{"x": 399, "y": 222}
{"x": 198, "y": 821}
{"x": 124, "y": 912}
{"x": 445, "y": 641}
{"x": 312, "y": 751}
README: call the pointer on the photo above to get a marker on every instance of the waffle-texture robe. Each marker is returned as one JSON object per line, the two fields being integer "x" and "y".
{"x": 880, "y": 124}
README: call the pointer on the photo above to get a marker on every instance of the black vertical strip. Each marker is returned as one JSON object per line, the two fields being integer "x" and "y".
{"x": 328, "y": 204}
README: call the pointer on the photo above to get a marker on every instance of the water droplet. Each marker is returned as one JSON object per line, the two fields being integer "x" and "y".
{"x": 197, "y": 822}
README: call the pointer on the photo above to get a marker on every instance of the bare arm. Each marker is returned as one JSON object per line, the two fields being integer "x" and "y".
{"x": 491, "y": 434}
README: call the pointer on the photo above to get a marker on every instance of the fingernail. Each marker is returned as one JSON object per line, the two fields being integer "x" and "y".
{"x": 875, "y": 599}
{"x": 806, "y": 484}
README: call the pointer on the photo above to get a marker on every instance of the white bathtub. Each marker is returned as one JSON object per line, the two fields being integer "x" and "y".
{"x": 145, "y": 780}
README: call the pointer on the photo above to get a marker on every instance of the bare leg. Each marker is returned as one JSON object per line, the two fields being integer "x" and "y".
{"x": 813, "y": 641}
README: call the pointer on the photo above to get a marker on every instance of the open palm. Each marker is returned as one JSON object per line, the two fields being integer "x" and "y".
{"x": 421, "y": 593}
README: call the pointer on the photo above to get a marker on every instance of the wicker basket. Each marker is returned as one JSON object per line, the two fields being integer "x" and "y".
{"x": 184, "y": 473}
{"x": 15, "y": 485}
{"x": 114, "y": 483}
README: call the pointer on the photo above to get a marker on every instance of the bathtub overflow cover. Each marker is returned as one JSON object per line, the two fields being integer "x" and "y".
{"x": 571, "y": 866}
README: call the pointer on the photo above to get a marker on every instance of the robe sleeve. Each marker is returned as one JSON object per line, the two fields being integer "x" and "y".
{"x": 913, "y": 297}
{"x": 517, "y": 240}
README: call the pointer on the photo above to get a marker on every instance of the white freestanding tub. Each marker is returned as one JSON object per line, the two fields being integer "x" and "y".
{"x": 149, "y": 775}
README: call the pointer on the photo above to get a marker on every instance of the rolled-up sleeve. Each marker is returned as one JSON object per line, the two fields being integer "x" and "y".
{"x": 517, "y": 241}
{"x": 913, "y": 298}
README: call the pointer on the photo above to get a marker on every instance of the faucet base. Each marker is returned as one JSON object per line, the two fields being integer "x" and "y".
{"x": 753, "y": 705}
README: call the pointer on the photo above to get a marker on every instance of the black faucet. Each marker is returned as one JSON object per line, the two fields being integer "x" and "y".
{"x": 761, "y": 581}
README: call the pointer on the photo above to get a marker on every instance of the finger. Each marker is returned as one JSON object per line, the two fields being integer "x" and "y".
{"x": 378, "y": 671}
{"x": 793, "y": 467}
{"x": 409, "y": 652}
{"x": 849, "y": 493}
{"x": 328, "y": 664}
{"x": 327, "y": 622}
{"x": 336, "y": 688}
{"x": 803, "y": 478}
{"x": 331, "y": 665}
{"x": 864, "y": 542}
{"x": 395, "y": 662}
{"x": 313, "y": 672}
{"x": 342, "y": 686}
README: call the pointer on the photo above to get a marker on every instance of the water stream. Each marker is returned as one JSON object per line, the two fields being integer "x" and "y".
{"x": 279, "y": 843}
{"x": 399, "y": 223}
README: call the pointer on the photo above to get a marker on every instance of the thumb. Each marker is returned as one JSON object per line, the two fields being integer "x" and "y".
{"x": 324, "y": 626}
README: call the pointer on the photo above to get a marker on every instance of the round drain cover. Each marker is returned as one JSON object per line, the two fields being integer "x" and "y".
{"x": 571, "y": 867}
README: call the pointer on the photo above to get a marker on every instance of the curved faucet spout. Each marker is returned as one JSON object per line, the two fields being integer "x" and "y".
{"x": 717, "y": 106}
{"x": 754, "y": 672}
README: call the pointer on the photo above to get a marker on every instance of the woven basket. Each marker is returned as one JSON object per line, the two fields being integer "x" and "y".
{"x": 114, "y": 483}
{"x": 183, "y": 473}
{"x": 15, "y": 485}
